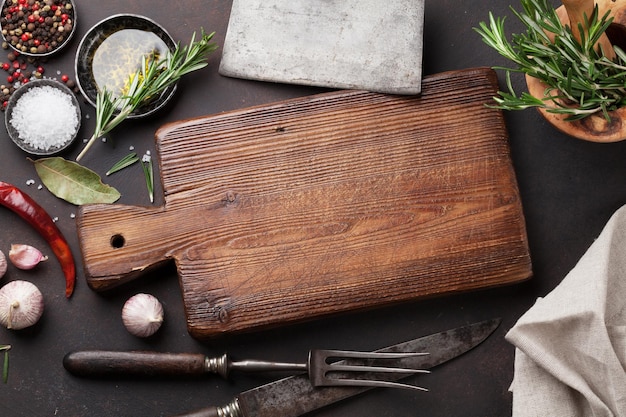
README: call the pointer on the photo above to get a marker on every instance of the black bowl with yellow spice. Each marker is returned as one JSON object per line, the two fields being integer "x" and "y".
{"x": 115, "y": 49}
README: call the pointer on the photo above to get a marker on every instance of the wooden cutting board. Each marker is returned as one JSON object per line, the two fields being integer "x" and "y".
{"x": 324, "y": 204}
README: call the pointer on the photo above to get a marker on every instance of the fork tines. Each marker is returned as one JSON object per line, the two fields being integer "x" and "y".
{"x": 334, "y": 373}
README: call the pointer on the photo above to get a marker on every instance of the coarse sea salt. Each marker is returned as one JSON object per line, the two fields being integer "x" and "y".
{"x": 45, "y": 117}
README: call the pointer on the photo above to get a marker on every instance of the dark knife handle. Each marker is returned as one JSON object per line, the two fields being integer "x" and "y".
{"x": 205, "y": 412}
{"x": 100, "y": 363}
{"x": 231, "y": 409}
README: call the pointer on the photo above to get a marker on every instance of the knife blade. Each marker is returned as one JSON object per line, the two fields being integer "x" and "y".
{"x": 295, "y": 396}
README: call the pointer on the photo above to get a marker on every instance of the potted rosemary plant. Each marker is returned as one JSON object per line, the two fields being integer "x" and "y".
{"x": 576, "y": 75}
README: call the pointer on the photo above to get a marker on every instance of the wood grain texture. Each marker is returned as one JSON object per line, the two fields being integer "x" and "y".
{"x": 324, "y": 204}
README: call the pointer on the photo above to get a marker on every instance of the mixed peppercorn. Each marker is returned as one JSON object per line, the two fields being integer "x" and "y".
{"x": 37, "y": 26}
{"x": 20, "y": 69}
{"x": 33, "y": 29}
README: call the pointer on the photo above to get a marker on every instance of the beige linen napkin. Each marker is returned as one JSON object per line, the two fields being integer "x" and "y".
{"x": 571, "y": 345}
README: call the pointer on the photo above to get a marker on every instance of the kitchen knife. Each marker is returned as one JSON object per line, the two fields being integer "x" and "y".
{"x": 295, "y": 396}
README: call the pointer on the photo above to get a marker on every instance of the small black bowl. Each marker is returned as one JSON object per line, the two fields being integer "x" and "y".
{"x": 46, "y": 47}
{"x": 112, "y": 50}
{"x": 15, "y": 135}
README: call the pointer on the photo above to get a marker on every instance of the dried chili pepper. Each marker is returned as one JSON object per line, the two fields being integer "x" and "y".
{"x": 28, "y": 209}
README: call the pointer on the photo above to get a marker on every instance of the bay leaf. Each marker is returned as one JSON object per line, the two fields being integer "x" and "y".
{"x": 73, "y": 182}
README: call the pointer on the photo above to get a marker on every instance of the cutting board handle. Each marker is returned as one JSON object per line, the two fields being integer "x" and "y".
{"x": 120, "y": 242}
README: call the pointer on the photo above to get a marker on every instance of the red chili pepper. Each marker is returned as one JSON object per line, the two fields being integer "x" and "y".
{"x": 28, "y": 209}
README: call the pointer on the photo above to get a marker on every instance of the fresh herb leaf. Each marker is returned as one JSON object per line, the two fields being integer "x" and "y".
{"x": 126, "y": 161}
{"x": 146, "y": 163}
{"x": 5, "y": 365}
{"x": 73, "y": 182}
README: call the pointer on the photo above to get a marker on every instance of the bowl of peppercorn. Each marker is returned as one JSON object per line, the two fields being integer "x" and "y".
{"x": 37, "y": 27}
{"x": 114, "y": 50}
{"x": 43, "y": 133}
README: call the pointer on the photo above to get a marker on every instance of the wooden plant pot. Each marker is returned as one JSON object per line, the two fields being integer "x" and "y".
{"x": 594, "y": 128}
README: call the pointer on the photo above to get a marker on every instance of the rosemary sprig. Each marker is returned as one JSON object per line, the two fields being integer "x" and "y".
{"x": 126, "y": 161}
{"x": 5, "y": 365}
{"x": 150, "y": 81}
{"x": 148, "y": 170}
{"x": 146, "y": 165}
{"x": 582, "y": 80}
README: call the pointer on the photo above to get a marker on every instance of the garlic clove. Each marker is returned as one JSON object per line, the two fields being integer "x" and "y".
{"x": 142, "y": 315}
{"x": 25, "y": 256}
{"x": 21, "y": 305}
{"x": 3, "y": 264}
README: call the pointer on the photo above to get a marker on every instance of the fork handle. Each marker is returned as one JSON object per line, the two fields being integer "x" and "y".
{"x": 102, "y": 363}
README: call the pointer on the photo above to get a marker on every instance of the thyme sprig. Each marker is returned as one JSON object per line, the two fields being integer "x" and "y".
{"x": 580, "y": 79}
{"x": 151, "y": 80}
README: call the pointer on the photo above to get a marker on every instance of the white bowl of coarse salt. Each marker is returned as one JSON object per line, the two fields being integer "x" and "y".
{"x": 43, "y": 117}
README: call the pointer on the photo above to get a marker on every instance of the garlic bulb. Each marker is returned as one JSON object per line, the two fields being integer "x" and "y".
{"x": 142, "y": 315}
{"x": 25, "y": 256}
{"x": 21, "y": 305}
{"x": 3, "y": 264}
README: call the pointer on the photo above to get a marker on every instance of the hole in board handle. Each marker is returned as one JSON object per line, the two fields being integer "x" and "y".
{"x": 117, "y": 241}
